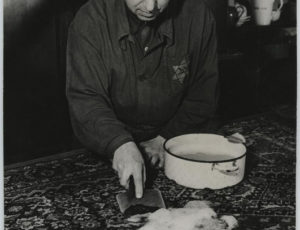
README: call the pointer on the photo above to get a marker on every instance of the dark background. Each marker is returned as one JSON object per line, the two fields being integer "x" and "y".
{"x": 257, "y": 72}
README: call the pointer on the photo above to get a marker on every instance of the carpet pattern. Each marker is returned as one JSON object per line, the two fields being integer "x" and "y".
{"x": 77, "y": 191}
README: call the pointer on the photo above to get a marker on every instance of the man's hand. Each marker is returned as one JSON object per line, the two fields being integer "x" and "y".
{"x": 128, "y": 161}
{"x": 154, "y": 150}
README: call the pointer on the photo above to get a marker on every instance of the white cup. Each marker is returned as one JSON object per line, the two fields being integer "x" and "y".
{"x": 263, "y": 11}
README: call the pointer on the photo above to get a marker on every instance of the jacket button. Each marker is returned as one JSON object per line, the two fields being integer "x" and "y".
{"x": 142, "y": 77}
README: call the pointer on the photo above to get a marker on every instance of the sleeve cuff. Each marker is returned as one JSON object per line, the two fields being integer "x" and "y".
{"x": 116, "y": 143}
{"x": 166, "y": 134}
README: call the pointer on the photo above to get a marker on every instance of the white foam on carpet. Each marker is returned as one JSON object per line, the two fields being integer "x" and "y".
{"x": 194, "y": 216}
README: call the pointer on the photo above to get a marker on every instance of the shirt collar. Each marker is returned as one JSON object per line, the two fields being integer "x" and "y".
{"x": 123, "y": 30}
{"x": 122, "y": 24}
{"x": 166, "y": 27}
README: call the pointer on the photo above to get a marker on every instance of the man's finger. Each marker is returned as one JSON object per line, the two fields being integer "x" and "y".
{"x": 161, "y": 160}
{"x": 138, "y": 182}
{"x": 154, "y": 160}
{"x": 124, "y": 179}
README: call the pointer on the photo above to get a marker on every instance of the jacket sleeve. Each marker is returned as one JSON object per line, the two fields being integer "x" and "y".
{"x": 200, "y": 101}
{"x": 93, "y": 119}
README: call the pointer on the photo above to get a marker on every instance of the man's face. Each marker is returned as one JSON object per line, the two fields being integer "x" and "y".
{"x": 147, "y": 10}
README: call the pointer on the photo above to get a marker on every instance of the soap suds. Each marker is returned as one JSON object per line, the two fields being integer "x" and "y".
{"x": 194, "y": 216}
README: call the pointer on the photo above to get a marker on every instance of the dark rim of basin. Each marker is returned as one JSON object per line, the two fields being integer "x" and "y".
{"x": 200, "y": 161}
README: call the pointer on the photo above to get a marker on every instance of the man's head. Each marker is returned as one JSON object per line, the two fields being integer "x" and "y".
{"x": 147, "y": 10}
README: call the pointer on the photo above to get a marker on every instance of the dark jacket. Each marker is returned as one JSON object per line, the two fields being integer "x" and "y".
{"x": 119, "y": 93}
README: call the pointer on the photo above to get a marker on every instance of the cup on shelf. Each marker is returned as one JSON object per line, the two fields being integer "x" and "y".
{"x": 263, "y": 12}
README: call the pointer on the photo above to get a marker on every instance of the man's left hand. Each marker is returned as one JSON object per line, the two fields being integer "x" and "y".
{"x": 155, "y": 151}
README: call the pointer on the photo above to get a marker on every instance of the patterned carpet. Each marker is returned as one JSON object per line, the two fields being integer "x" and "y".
{"x": 77, "y": 190}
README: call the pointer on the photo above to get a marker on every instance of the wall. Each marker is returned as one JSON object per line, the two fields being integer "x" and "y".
{"x": 36, "y": 119}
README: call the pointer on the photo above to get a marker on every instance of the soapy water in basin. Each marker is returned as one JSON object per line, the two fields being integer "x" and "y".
{"x": 206, "y": 157}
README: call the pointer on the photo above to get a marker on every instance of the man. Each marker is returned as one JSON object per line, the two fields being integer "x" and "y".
{"x": 139, "y": 72}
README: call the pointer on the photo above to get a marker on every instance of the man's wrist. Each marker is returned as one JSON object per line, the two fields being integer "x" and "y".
{"x": 165, "y": 134}
{"x": 122, "y": 147}
{"x": 161, "y": 138}
{"x": 116, "y": 143}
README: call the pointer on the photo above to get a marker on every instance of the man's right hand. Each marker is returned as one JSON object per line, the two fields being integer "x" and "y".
{"x": 128, "y": 161}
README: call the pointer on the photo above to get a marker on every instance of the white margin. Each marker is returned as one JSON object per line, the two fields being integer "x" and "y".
{"x": 297, "y": 129}
{"x": 1, "y": 119}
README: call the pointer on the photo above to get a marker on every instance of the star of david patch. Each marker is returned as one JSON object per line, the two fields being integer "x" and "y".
{"x": 181, "y": 71}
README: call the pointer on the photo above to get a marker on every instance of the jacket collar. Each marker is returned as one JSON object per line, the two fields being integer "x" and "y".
{"x": 165, "y": 27}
